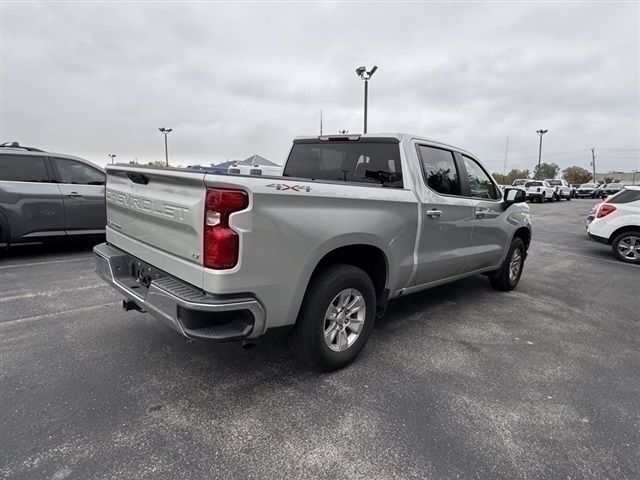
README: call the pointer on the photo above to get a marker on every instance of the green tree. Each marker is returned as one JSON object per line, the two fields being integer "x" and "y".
{"x": 576, "y": 175}
{"x": 546, "y": 170}
{"x": 500, "y": 178}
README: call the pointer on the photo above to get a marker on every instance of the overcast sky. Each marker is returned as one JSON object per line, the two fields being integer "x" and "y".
{"x": 234, "y": 80}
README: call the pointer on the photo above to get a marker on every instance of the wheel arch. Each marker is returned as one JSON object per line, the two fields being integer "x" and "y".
{"x": 626, "y": 228}
{"x": 524, "y": 234}
{"x": 367, "y": 256}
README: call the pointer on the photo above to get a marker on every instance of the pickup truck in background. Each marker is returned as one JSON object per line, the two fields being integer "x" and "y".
{"x": 562, "y": 187}
{"x": 354, "y": 221}
{"x": 539, "y": 190}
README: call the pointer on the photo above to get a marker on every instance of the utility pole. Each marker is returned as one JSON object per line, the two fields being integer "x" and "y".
{"x": 540, "y": 132}
{"x": 593, "y": 162}
{"x": 112, "y": 156}
{"x": 633, "y": 182}
{"x": 506, "y": 149}
{"x": 366, "y": 75}
{"x": 320, "y": 122}
{"x": 165, "y": 132}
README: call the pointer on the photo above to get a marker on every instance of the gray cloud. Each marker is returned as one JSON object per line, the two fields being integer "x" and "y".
{"x": 238, "y": 79}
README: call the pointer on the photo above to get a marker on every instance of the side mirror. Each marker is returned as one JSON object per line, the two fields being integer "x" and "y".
{"x": 514, "y": 195}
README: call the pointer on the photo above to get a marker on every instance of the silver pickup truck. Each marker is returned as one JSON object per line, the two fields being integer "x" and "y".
{"x": 354, "y": 221}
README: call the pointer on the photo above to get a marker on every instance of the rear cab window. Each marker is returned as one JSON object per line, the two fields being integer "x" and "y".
{"x": 23, "y": 168}
{"x": 357, "y": 161}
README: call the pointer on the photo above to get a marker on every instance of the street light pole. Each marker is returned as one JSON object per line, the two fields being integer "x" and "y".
{"x": 540, "y": 132}
{"x": 165, "y": 132}
{"x": 365, "y": 75}
{"x": 112, "y": 156}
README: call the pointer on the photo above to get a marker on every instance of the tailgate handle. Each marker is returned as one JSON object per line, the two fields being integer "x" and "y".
{"x": 138, "y": 178}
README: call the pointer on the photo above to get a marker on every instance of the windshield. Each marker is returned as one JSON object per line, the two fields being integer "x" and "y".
{"x": 587, "y": 185}
{"x": 554, "y": 182}
{"x": 533, "y": 184}
{"x": 615, "y": 185}
{"x": 518, "y": 182}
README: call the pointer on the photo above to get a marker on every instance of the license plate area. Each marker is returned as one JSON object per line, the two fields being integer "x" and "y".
{"x": 138, "y": 276}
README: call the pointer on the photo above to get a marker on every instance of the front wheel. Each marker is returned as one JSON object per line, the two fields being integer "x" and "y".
{"x": 626, "y": 247}
{"x": 508, "y": 275}
{"x": 335, "y": 319}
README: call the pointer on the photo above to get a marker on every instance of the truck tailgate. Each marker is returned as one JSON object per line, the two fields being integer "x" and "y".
{"x": 157, "y": 215}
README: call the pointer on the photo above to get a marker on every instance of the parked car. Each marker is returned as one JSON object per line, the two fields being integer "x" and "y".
{"x": 611, "y": 189}
{"x": 587, "y": 190}
{"x": 563, "y": 189}
{"x": 539, "y": 191}
{"x": 47, "y": 195}
{"x": 573, "y": 191}
{"x": 232, "y": 257}
{"x": 519, "y": 182}
{"x": 617, "y": 223}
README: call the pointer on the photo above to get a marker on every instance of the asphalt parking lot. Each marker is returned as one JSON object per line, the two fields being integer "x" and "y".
{"x": 457, "y": 382}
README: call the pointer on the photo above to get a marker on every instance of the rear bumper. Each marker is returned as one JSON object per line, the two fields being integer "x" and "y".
{"x": 191, "y": 312}
{"x": 598, "y": 239}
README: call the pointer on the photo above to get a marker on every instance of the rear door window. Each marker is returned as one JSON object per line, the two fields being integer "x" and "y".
{"x": 346, "y": 161}
{"x": 439, "y": 170}
{"x": 71, "y": 171}
{"x": 23, "y": 168}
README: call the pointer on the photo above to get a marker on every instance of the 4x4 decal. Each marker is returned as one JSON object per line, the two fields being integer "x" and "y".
{"x": 284, "y": 187}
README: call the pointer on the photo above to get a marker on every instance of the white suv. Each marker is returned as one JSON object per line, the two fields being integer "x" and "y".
{"x": 616, "y": 222}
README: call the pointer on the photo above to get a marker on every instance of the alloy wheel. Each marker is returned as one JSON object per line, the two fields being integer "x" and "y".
{"x": 629, "y": 247}
{"x": 515, "y": 265}
{"x": 344, "y": 319}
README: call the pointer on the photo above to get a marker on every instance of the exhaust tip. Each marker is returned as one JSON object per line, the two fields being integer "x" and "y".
{"x": 248, "y": 345}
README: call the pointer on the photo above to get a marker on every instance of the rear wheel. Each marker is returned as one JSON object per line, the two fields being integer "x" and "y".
{"x": 626, "y": 247}
{"x": 335, "y": 319}
{"x": 508, "y": 275}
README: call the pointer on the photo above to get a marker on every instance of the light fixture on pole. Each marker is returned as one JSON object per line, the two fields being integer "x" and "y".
{"x": 165, "y": 132}
{"x": 365, "y": 75}
{"x": 112, "y": 156}
{"x": 540, "y": 132}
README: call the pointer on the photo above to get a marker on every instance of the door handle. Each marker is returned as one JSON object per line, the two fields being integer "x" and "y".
{"x": 73, "y": 195}
{"x": 480, "y": 212}
{"x": 434, "y": 213}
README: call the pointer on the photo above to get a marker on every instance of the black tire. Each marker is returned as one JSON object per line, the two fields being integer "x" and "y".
{"x": 307, "y": 338}
{"x": 501, "y": 279}
{"x": 616, "y": 250}
{"x": 569, "y": 198}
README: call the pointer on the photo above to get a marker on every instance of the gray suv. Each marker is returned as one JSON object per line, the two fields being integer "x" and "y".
{"x": 48, "y": 195}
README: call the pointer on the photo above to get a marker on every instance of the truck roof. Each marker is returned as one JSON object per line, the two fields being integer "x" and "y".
{"x": 400, "y": 137}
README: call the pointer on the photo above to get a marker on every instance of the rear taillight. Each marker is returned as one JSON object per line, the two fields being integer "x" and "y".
{"x": 221, "y": 242}
{"x": 605, "y": 209}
